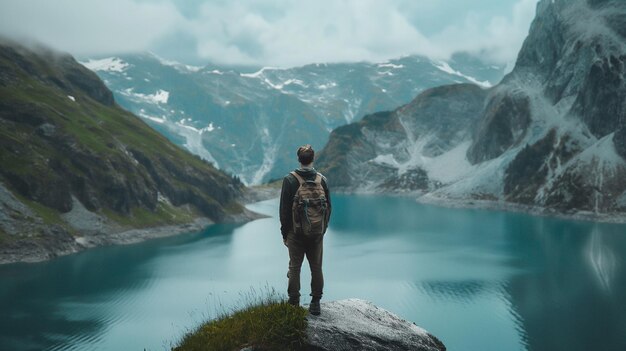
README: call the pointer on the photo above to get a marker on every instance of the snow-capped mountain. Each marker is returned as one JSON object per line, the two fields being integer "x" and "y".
{"x": 249, "y": 122}
{"x": 552, "y": 134}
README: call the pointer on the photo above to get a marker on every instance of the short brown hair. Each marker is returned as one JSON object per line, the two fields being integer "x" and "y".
{"x": 306, "y": 154}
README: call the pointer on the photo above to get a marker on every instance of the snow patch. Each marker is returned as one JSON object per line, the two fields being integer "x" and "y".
{"x": 327, "y": 86}
{"x": 446, "y": 168}
{"x": 193, "y": 142}
{"x": 208, "y": 128}
{"x": 258, "y": 73}
{"x": 179, "y": 66}
{"x": 486, "y": 178}
{"x": 110, "y": 64}
{"x": 390, "y": 65}
{"x": 445, "y": 67}
{"x": 270, "y": 153}
{"x": 71, "y": 98}
{"x": 160, "y": 97}
{"x": 152, "y": 118}
{"x": 449, "y": 166}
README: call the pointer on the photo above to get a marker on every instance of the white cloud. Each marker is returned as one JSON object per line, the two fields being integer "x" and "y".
{"x": 89, "y": 27}
{"x": 499, "y": 39}
{"x": 306, "y": 32}
{"x": 276, "y": 33}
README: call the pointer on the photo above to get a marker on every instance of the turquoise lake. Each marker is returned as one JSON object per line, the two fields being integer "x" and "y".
{"x": 479, "y": 280}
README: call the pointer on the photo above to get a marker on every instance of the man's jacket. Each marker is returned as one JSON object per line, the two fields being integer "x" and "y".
{"x": 290, "y": 186}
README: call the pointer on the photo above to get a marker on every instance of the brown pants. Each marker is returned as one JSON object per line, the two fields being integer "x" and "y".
{"x": 313, "y": 249}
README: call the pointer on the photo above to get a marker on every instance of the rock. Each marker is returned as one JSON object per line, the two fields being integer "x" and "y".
{"x": 355, "y": 324}
{"x": 506, "y": 118}
{"x": 46, "y": 129}
{"x": 378, "y": 151}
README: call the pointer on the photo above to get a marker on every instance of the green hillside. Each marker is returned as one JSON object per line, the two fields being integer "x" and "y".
{"x": 63, "y": 139}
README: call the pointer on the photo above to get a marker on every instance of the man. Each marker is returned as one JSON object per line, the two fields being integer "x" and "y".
{"x": 305, "y": 196}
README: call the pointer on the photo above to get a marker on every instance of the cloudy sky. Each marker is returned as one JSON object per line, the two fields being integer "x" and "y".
{"x": 273, "y": 32}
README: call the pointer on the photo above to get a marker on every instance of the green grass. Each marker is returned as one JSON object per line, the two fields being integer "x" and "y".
{"x": 47, "y": 214}
{"x": 268, "y": 324}
{"x": 4, "y": 237}
{"x": 143, "y": 218}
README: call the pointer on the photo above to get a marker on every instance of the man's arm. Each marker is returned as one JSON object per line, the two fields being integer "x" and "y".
{"x": 327, "y": 193}
{"x": 286, "y": 202}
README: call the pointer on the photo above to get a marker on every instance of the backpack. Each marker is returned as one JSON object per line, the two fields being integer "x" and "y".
{"x": 309, "y": 209}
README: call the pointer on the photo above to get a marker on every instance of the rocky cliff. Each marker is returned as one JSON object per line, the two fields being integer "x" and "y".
{"x": 551, "y": 135}
{"x": 76, "y": 168}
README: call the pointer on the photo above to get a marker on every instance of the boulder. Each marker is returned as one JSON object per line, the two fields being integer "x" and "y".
{"x": 355, "y": 324}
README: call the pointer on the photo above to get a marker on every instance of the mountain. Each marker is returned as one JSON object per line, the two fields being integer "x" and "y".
{"x": 250, "y": 121}
{"x": 551, "y": 135}
{"x": 78, "y": 169}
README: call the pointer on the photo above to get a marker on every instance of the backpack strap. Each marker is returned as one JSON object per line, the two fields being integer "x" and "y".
{"x": 318, "y": 179}
{"x": 298, "y": 177}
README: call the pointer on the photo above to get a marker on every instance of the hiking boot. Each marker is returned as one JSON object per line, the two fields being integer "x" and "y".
{"x": 314, "y": 307}
{"x": 294, "y": 301}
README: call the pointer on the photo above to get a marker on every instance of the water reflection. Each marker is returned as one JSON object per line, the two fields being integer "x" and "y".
{"x": 602, "y": 259}
{"x": 574, "y": 296}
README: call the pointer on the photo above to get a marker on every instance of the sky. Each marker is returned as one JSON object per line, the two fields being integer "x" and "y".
{"x": 281, "y": 33}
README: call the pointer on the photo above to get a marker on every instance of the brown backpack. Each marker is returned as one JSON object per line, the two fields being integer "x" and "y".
{"x": 310, "y": 207}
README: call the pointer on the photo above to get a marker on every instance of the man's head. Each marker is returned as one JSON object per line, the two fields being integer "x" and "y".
{"x": 305, "y": 155}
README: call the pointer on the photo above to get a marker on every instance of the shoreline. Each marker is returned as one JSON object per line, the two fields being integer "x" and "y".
{"x": 492, "y": 205}
{"x": 33, "y": 250}
{"x": 520, "y": 208}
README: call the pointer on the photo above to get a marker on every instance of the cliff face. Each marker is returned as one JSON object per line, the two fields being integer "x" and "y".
{"x": 67, "y": 148}
{"x": 550, "y": 135}
{"x": 561, "y": 144}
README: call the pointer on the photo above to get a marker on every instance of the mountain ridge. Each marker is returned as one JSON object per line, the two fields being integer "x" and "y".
{"x": 267, "y": 113}
{"x": 549, "y": 136}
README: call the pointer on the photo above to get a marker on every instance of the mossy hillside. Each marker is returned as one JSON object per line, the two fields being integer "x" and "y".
{"x": 164, "y": 214}
{"x": 269, "y": 325}
{"x": 53, "y": 148}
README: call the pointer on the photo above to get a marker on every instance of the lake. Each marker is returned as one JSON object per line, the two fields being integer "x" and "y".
{"x": 479, "y": 280}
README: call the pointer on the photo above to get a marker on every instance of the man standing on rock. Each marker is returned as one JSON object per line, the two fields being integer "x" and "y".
{"x": 304, "y": 216}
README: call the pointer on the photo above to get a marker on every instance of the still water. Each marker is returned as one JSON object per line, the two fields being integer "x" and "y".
{"x": 479, "y": 280}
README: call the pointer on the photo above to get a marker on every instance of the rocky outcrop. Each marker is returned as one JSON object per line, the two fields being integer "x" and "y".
{"x": 354, "y": 324}
{"x": 504, "y": 124}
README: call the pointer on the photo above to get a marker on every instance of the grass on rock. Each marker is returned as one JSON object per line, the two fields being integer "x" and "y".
{"x": 265, "y": 324}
